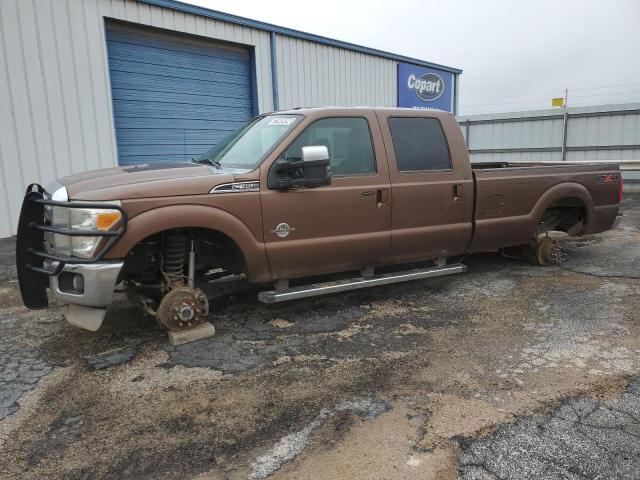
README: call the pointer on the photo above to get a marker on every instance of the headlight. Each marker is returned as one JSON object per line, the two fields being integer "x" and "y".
{"x": 93, "y": 218}
{"x": 82, "y": 219}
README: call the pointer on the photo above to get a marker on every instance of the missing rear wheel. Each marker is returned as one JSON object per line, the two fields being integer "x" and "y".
{"x": 546, "y": 251}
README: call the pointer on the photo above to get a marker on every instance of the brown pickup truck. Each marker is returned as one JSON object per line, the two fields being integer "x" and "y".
{"x": 285, "y": 200}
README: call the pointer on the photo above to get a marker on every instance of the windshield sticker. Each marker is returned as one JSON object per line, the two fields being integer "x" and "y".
{"x": 281, "y": 121}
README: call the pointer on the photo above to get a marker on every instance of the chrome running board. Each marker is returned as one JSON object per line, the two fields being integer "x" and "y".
{"x": 284, "y": 294}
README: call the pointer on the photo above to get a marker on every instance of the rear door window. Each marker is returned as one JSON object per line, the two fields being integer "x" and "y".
{"x": 348, "y": 140}
{"x": 419, "y": 144}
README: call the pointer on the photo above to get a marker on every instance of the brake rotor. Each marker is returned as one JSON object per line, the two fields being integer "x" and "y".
{"x": 183, "y": 308}
{"x": 546, "y": 251}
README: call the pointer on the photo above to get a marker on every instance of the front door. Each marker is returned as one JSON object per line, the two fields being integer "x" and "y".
{"x": 432, "y": 190}
{"x": 340, "y": 227}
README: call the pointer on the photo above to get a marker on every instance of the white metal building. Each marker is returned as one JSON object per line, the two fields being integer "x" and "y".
{"x": 598, "y": 132}
{"x": 87, "y": 84}
{"x": 602, "y": 133}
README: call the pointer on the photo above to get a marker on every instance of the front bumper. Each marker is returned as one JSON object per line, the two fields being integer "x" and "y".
{"x": 98, "y": 281}
{"x": 85, "y": 307}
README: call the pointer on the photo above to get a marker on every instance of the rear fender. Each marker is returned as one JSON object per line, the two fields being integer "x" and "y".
{"x": 196, "y": 216}
{"x": 509, "y": 231}
{"x": 558, "y": 192}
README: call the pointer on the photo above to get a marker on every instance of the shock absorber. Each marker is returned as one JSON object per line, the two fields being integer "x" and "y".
{"x": 182, "y": 305}
{"x": 173, "y": 258}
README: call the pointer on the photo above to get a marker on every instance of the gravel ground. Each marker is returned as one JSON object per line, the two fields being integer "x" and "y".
{"x": 508, "y": 371}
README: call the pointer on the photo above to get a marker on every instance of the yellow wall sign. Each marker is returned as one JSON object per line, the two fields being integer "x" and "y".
{"x": 557, "y": 102}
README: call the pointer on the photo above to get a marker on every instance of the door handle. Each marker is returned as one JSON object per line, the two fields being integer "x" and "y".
{"x": 382, "y": 197}
{"x": 458, "y": 192}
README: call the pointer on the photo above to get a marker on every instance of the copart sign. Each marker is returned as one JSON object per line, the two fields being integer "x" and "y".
{"x": 421, "y": 87}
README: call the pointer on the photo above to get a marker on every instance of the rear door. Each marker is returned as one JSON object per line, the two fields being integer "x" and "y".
{"x": 432, "y": 189}
{"x": 340, "y": 227}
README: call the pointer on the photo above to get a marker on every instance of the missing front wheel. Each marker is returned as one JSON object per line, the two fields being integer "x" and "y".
{"x": 183, "y": 308}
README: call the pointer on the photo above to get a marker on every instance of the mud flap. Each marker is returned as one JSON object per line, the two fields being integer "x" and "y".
{"x": 88, "y": 318}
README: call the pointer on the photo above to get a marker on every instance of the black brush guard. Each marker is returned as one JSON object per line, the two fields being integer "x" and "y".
{"x": 33, "y": 276}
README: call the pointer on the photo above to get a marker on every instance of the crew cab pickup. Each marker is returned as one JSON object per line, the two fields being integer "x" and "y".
{"x": 285, "y": 200}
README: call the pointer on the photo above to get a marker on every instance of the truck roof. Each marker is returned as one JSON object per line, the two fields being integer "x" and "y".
{"x": 337, "y": 109}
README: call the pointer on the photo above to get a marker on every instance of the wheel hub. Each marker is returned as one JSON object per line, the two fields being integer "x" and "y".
{"x": 183, "y": 308}
{"x": 546, "y": 251}
{"x": 186, "y": 313}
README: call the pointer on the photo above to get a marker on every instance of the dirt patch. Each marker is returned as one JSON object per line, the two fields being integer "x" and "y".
{"x": 384, "y": 446}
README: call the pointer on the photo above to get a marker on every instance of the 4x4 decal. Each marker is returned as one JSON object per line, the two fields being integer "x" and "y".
{"x": 608, "y": 179}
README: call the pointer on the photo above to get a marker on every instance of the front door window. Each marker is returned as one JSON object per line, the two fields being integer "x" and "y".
{"x": 349, "y": 143}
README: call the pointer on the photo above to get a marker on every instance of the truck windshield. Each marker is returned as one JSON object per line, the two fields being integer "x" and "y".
{"x": 247, "y": 146}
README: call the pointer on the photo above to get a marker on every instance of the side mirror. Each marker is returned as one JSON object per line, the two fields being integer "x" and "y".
{"x": 312, "y": 170}
{"x": 315, "y": 153}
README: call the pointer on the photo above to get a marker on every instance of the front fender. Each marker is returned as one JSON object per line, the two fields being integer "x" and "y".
{"x": 195, "y": 216}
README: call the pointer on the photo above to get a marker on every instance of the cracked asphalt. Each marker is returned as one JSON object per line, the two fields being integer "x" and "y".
{"x": 582, "y": 438}
{"x": 509, "y": 371}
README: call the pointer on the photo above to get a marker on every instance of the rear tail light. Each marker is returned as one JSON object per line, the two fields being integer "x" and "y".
{"x": 620, "y": 189}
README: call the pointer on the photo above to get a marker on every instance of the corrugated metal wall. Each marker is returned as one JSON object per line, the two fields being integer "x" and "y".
{"x": 605, "y": 131}
{"x": 311, "y": 74}
{"x": 608, "y": 132}
{"x": 55, "y": 102}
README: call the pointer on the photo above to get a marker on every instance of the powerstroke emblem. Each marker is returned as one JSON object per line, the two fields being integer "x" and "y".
{"x": 607, "y": 179}
{"x": 429, "y": 86}
{"x": 237, "y": 187}
{"x": 283, "y": 230}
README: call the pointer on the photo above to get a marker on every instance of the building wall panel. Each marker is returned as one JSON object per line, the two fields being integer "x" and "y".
{"x": 613, "y": 154}
{"x": 17, "y": 148}
{"x": 605, "y": 130}
{"x": 306, "y": 69}
{"x": 547, "y": 133}
{"x": 593, "y": 133}
{"x": 516, "y": 157}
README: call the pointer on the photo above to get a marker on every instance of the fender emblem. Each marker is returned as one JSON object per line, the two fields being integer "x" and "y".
{"x": 607, "y": 180}
{"x": 283, "y": 230}
{"x": 237, "y": 187}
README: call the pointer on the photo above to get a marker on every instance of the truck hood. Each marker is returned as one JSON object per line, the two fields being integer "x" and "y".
{"x": 144, "y": 180}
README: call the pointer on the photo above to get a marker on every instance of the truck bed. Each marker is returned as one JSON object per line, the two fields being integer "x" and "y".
{"x": 507, "y": 195}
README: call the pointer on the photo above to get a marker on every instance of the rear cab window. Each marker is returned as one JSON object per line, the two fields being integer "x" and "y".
{"x": 419, "y": 144}
{"x": 348, "y": 140}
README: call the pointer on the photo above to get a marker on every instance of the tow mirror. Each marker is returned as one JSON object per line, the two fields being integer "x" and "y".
{"x": 315, "y": 153}
{"x": 312, "y": 170}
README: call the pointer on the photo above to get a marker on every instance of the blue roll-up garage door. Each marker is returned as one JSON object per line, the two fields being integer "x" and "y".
{"x": 174, "y": 96}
